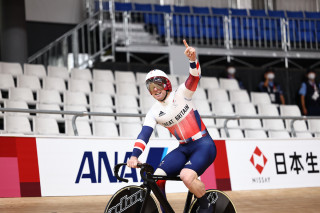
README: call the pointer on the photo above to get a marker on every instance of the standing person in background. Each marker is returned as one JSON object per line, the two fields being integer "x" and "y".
{"x": 309, "y": 95}
{"x": 273, "y": 89}
{"x": 231, "y": 74}
{"x": 175, "y": 110}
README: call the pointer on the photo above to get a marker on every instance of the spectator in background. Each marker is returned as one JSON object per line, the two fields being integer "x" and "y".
{"x": 309, "y": 95}
{"x": 231, "y": 74}
{"x": 273, "y": 89}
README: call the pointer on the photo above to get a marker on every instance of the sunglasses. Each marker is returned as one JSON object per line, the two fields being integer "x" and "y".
{"x": 156, "y": 82}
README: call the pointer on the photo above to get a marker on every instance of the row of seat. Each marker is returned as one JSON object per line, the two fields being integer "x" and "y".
{"x": 220, "y": 105}
{"x": 222, "y": 108}
{"x": 209, "y": 23}
{"x": 40, "y": 71}
{"x": 213, "y": 97}
{"x": 39, "y": 125}
{"x": 258, "y": 134}
{"x": 248, "y": 28}
{"x": 137, "y": 7}
{"x": 49, "y": 126}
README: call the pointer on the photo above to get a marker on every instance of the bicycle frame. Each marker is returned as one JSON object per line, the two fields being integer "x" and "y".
{"x": 150, "y": 184}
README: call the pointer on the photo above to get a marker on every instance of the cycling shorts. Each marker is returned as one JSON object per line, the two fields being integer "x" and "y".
{"x": 197, "y": 155}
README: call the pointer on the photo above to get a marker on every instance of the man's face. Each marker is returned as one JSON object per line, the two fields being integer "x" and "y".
{"x": 157, "y": 91}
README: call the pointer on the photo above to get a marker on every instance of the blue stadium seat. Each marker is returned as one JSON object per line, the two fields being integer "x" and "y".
{"x": 243, "y": 26}
{"x": 201, "y": 10}
{"x": 268, "y": 23}
{"x": 161, "y": 30}
{"x": 302, "y": 36}
{"x": 315, "y": 15}
{"x": 239, "y": 34}
{"x": 118, "y": 6}
{"x": 258, "y": 13}
{"x": 201, "y": 20}
{"x": 307, "y": 24}
{"x": 182, "y": 22}
{"x": 302, "y": 25}
{"x": 275, "y": 23}
{"x": 220, "y": 11}
{"x": 105, "y": 6}
{"x": 239, "y": 12}
{"x": 185, "y": 20}
{"x": 147, "y": 8}
{"x": 238, "y": 22}
{"x": 293, "y": 24}
{"x": 158, "y": 18}
{"x": 162, "y": 8}
{"x": 212, "y": 32}
{"x": 185, "y": 32}
{"x": 292, "y": 35}
{"x": 307, "y": 36}
{"x": 269, "y": 34}
{"x": 214, "y": 21}
{"x": 154, "y": 19}
{"x": 295, "y": 14}
{"x": 276, "y": 13}
{"x": 181, "y": 9}
{"x": 142, "y": 7}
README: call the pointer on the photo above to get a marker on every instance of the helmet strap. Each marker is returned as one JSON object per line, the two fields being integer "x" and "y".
{"x": 165, "y": 96}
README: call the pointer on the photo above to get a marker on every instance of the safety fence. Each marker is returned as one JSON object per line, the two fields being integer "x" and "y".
{"x": 77, "y": 114}
{"x": 116, "y": 24}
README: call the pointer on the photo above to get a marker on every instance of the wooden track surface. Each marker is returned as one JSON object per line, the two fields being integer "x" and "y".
{"x": 259, "y": 201}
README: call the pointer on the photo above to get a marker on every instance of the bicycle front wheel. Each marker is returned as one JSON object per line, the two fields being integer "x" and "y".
{"x": 220, "y": 201}
{"x": 129, "y": 199}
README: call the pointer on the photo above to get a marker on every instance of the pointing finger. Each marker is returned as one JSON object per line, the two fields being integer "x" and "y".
{"x": 185, "y": 43}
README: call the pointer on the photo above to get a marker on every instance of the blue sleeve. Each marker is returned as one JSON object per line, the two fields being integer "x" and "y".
{"x": 142, "y": 141}
{"x": 303, "y": 89}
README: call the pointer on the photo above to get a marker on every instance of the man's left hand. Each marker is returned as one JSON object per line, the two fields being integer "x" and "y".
{"x": 190, "y": 52}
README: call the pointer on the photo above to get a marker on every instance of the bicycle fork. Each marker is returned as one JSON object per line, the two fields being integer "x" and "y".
{"x": 144, "y": 204}
{"x": 188, "y": 202}
{"x": 157, "y": 192}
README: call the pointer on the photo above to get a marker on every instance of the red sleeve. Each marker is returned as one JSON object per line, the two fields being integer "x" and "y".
{"x": 192, "y": 82}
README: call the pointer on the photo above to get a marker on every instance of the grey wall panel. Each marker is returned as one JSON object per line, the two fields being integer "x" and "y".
{"x": 57, "y": 11}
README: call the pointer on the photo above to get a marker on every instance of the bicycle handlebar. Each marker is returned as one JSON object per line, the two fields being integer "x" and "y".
{"x": 145, "y": 168}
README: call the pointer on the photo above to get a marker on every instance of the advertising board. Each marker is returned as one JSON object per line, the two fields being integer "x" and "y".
{"x": 273, "y": 164}
{"x": 85, "y": 167}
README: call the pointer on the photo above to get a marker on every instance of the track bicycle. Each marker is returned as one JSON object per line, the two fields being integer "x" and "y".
{"x": 138, "y": 199}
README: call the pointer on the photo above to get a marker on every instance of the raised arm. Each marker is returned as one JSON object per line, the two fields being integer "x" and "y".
{"x": 194, "y": 70}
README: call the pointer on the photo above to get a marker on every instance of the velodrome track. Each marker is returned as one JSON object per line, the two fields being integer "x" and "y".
{"x": 259, "y": 201}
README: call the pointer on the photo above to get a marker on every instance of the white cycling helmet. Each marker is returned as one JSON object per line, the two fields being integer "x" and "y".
{"x": 159, "y": 77}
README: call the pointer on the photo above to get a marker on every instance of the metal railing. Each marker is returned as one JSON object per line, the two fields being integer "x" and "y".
{"x": 77, "y": 114}
{"x": 84, "y": 44}
{"x": 98, "y": 35}
{"x": 303, "y": 34}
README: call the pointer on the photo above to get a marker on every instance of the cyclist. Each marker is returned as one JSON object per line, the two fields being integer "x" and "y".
{"x": 175, "y": 111}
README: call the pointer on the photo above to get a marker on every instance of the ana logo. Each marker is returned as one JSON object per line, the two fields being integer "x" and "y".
{"x": 258, "y": 160}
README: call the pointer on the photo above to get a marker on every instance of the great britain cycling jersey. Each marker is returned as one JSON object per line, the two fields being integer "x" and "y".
{"x": 177, "y": 113}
